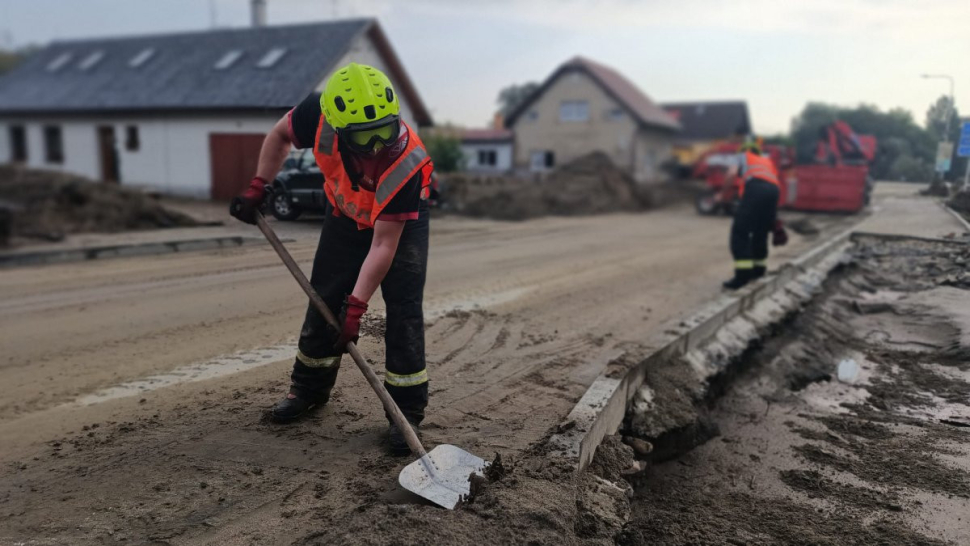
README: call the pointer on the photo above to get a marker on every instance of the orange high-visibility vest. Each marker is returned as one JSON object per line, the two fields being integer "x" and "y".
{"x": 760, "y": 167}
{"x": 357, "y": 203}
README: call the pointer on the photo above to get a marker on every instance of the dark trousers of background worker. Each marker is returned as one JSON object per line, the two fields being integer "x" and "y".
{"x": 339, "y": 257}
{"x": 753, "y": 222}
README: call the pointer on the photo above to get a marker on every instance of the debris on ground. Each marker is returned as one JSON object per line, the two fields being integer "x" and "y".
{"x": 49, "y": 205}
{"x": 591, "y": 184}
{"x": 803, "y": 458}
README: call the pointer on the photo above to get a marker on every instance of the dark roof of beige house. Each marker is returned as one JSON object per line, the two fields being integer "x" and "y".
{"x": 635, "y": 101}
{"x": 710, "y": 120}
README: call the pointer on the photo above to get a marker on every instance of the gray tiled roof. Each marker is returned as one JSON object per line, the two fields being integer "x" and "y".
{"x": 181, "y": 75}
{"x": 710, "y": 120}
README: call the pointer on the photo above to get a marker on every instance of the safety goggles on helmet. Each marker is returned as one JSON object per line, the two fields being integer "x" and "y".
{"x": 364, "y": 137}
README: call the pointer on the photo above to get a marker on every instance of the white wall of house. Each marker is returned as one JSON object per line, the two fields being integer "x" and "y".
{"x": 653, "y": 148}
{"x": 173, "y": 155}
{"x": 362, "y": 51}
{"x": 503, "y": 156}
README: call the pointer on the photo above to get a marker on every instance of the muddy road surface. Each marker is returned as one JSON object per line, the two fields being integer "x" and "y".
{"x": 132, "y": 391}
{"x": 851, "y": 425}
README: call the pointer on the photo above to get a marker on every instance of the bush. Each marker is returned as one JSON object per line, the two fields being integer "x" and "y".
{"x": 446, "y": 153}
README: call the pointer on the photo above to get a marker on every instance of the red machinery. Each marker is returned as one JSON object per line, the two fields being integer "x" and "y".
{"x": 837, "y": 182}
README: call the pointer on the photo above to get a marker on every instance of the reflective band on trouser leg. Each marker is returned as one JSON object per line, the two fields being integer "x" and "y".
{"x": 409, "y": 380}
{"x": 744, "y": 264}
{"x": 325, "y": 362}
{"x": 759, "y": 263}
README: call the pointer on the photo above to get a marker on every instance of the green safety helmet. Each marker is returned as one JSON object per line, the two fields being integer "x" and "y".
{"x": 359, "y": 102}
{"x": 752, "y": 145}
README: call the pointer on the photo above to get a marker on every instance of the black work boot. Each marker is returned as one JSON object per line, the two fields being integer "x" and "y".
{"x": 397, "y": 445}
{"x": 741, "y": 278}
{"x": 295, "y": 406}
{"x": 758, "y": 272}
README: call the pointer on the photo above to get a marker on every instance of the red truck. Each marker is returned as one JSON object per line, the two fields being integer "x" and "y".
{"x": 837, "y": 181}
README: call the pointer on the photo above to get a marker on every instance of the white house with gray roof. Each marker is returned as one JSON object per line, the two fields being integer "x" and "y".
{"x": 179, "y": 113}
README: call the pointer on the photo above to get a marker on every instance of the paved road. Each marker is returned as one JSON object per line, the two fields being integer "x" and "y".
{"x": 176, "y": 357}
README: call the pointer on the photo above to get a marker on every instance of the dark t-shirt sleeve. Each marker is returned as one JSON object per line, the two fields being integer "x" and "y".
{"x": 406, "y": 204}
{"x": 304, "y": 120}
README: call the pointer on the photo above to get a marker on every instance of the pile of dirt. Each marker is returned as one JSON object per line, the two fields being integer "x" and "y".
{"x": 590, "y": 184}
{"x": 50, "y": 205}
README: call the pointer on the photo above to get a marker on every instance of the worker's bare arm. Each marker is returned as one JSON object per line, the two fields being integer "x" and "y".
{"x": 276, "y": 146}
{"x": 383, "y": 247}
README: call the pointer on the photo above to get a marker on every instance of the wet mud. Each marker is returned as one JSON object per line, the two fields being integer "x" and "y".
{"x": 812, "y": 449}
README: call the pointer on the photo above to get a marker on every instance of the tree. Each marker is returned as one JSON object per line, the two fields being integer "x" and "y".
{"x": 445, "y": 151}
{"x": 509, "y": 98}
{"x": 10, "y": 58}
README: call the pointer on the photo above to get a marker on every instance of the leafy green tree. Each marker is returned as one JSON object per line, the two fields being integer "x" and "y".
{"x": 10, "y": 58}
{"x": 445, "y": 151}
{"x": 509, "y": 98}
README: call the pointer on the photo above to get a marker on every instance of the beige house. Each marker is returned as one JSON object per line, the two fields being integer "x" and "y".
{"x": 584, "y": 107}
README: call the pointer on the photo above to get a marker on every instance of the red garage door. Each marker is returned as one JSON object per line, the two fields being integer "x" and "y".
{"x": 234, "y": 158}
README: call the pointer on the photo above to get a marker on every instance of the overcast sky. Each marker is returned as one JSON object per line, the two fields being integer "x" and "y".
{"x": 776, "y": 54}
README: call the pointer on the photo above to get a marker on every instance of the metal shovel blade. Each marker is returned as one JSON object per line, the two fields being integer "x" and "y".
{"x": 443, "y": 475}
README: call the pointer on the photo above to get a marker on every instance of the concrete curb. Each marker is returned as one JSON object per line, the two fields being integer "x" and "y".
{"x": 601, "y": 410}
{"x": 60, "y": 256}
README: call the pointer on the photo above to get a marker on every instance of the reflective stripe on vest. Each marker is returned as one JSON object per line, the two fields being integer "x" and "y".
{"x": 325, "y": 138}
{"x": 400, "y": 173}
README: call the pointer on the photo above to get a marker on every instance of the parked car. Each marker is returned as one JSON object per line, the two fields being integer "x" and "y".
{"x": 298, "y": 188}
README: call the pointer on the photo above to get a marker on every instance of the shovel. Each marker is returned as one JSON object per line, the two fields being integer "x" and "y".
{"x": 443, "y": 475}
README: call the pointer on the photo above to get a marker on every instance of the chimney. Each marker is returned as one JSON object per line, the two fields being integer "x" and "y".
{"x": 259, "y": 13}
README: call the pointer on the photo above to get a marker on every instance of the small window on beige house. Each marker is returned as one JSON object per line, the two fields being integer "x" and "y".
{"x": 541, "y": 160}
{"x": 532, "y": 115}
{"x": 614, "y": 114}
{"x": 574, "y": 110}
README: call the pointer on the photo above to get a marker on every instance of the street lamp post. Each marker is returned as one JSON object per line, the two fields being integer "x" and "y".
{"x": 949, "y": 108}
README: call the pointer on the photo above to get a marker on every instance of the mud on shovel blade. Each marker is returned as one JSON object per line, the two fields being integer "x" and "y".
{"x": 442, "y": 476}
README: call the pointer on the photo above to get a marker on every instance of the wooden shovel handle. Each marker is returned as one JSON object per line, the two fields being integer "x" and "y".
{"x": 389, "y": 405}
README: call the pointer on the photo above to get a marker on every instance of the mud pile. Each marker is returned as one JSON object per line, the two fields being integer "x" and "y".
{"x": 591, "y": 184}
{"x": 50, "y": 205}
{"x": 849, "y": 425}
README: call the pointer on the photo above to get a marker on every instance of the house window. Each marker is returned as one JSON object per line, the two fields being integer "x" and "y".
{"x": 487, "y": 158}
{"x": 614, "y": 114}
{"x": 132, "y": 138}
{"x": 532, "y": 115}
{"x": 53, "y": 144}
{"x": 541, "y": 160}
{"x": 574, "y": 110}
{"x": 18, "y": 144}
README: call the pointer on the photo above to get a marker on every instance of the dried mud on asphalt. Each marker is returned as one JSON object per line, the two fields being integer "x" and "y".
{"x": 795, "y": 455}
{"x": 193, "y": 463}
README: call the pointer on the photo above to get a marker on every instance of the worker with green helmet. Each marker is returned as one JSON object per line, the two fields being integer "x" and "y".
{"x": 377, "y": 180}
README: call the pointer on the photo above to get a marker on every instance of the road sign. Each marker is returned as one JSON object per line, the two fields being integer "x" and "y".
{"x": 944, "y": 155}
{"x": 963, "y": 149}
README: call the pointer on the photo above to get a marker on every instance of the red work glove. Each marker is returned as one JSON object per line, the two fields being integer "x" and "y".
{"x": 350, "y": 321}
{"x": 779, "y": 237}
{"x": 244, "y": 207}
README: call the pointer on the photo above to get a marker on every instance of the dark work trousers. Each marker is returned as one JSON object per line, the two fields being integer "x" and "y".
{"x": 753, "y": 221}
{"x": 337, "y": 264}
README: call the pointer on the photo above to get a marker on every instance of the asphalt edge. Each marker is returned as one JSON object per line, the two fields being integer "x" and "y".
{"x": 602, "y": 408}
{"x": 61, "y": 256}
{"x": 963, "y": 221}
